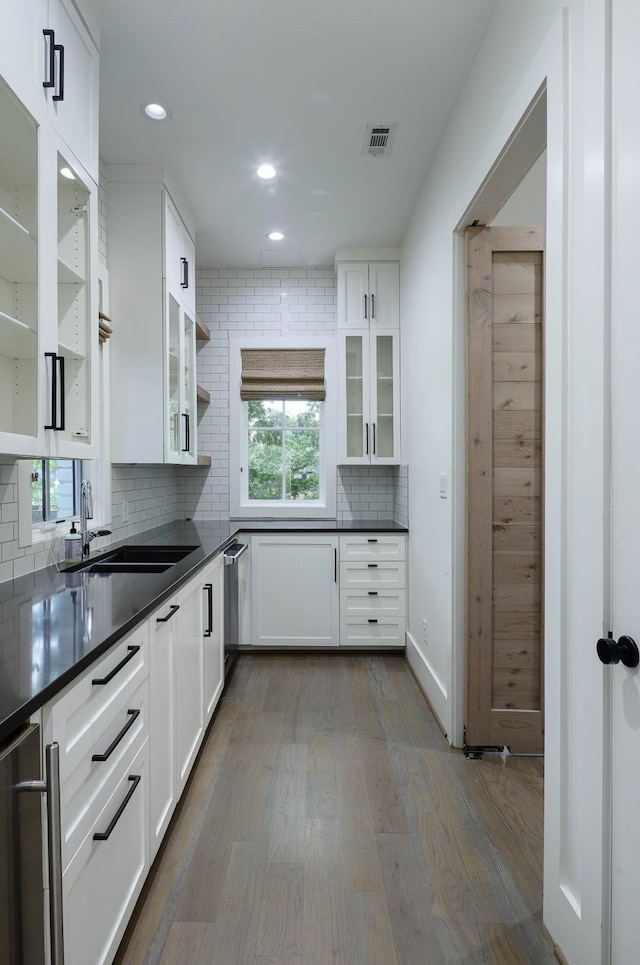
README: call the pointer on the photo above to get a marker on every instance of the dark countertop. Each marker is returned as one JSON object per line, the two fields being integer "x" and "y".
{"x": 53, "y": 625}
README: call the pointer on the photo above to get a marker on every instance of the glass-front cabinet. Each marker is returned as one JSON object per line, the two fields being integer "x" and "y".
{"x": 48, "y": 344}
{"x": 370, "y": 393}
{"x": 181, "y": 383}
{"x": 19, "y": 336}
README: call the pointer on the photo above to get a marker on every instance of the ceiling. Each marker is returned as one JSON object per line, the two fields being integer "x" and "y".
{"x": 295, "y": 83}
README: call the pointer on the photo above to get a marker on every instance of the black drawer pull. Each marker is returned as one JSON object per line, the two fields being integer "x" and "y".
{"x": 104, "y": 835}
{"x": 172, "y": 609}
{"x": 373, "y": 592}
{"x": 114, "y": 743}
{"x": 208, "y": 589}
{"x": 372, "y": 566}
{"x": 372, "y": 621}
{"x": 372, "y": 541}
{"x": 105, "y": 680}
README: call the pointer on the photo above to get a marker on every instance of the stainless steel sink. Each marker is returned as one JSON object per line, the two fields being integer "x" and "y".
{"x": 136, "y": 559}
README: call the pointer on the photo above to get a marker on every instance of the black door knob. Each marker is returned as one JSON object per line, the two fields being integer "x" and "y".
{"x": 623, "y": 651}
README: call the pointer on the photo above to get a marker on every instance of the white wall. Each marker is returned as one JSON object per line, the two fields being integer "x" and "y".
{"x": 526, "y": 45}
{"x": 493, "y": 101}
{"x": 528, "y": 203}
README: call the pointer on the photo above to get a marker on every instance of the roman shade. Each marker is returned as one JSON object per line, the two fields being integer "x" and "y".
{"x": 282, "y": 373}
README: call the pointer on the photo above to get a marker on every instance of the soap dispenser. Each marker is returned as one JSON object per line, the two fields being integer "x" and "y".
{"x": 73, "y": 543}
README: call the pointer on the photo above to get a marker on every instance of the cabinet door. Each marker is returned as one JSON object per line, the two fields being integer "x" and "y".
{"x": 213, "y": 634}
{"x": 162, "y": 765}
{"x": 188, "y": 672}
{"x": 73, "y": 414}
{"x": 354, "y": 304}
{"x": 21, "y": 56}
{"x": 384, "y": 381}
{"x": 20, "y": 345}
{"x": 188, "y": 449}
{"x": 73, "y": 98}
{"x": 173, "y": 381}
{"x": 295, "y": 590}
{"x": 384, "y": 290}
{"x": 173, "y": 245}
{"x": 355, "y": 424}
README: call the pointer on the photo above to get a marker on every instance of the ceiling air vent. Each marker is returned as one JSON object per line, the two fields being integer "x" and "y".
{"x": 378, "y": 139}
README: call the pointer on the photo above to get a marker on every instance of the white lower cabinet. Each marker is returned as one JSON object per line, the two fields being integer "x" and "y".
{"x": 189, "y": 697}
{"x": 213, "y": 635}
{"x": 294, "y": 590}
{"x": 101, "y": 724}
{"x": 162, "y": 778}
{"x": 372, "y": 590}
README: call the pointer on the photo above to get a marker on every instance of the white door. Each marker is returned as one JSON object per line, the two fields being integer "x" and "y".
{"x": 625, "y": 570}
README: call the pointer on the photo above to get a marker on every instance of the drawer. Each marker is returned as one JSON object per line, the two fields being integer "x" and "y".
{"x": 372, "y": 632}
{"x": 372, "y": 576}
{"x": 372, "y": 603}
{"x": 92, "y": 782}
{"x": 102, "y": 883}
{"x": 371, "y": 546}
{"x": 95, "y": 703}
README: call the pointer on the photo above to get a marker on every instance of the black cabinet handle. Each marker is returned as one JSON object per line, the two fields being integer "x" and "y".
{"x": 185, "y": 273}
{"x": 365, "y": 306}
{"x": 366, "y": 448}
{"x": 373, "y": 592}
{"x": 374, "y": 438}
{"x": 59, "y": 96}
{"x": 187, "y": 432}
{"x": 133, "y": 715}
{"x": 208, "y": 589}
{"x": 50, "y": 81}
{"x": 100, "y": 681}
{"x": 104, "y": 835}
{"x": 172, "y": 609}
{"x": 335, "y": 566}
{"x": 373, "y": 305}
{"x": 372, "y": 621}
{"x": 374, "y": 540}
{"x": 57, "y": 391}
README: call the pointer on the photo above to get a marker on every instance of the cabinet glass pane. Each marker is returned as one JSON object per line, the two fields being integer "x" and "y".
{"x": 384, "y": 396}
{"x": 189, "y": 378}
{"x": 74, "y": 307}
{"x": 354, "y": 395}
{"x": 174, "y": 376}
{"x": 18, "y": 267}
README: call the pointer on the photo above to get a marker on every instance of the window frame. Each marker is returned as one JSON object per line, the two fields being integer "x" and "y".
{"x": 240, "y": 506}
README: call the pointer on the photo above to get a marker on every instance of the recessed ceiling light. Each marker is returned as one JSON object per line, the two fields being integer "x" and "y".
{"x": 266, "y": 171}
{"x": 68, "y": 174}
{"x": 156, "y": 112}
{"x": 275, "y": 236}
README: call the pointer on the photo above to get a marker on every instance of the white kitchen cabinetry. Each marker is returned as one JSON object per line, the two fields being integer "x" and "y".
{"x": 368, "y": 295}
{"x": 212, "y": 584}
{"x": 152, "y": 294}
{"x": 294, "y": 590}
{"x": 162, "y": 775}
{"x": 48, "y": 292}
{"x": 51, "y": 61}
{"x": 369, "y": 362}
{"x": 369, "y": 424}
{"x": 372, "y": 590}
{"x": 101, "y": 723}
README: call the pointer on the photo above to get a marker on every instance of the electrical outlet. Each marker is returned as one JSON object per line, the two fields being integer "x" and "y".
{"x": 424, "y": 632}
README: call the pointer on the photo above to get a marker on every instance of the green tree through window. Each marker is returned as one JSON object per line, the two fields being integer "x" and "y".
{"x": 284, "y": 449}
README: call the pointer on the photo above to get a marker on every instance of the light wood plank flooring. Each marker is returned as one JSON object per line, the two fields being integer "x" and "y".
{"x": 327, "y": 820}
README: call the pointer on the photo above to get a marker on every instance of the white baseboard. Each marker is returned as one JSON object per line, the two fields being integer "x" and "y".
{"x": 431, "y": 686}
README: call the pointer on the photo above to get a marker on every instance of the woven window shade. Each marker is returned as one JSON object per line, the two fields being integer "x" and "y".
{"x": 282, "y": 373}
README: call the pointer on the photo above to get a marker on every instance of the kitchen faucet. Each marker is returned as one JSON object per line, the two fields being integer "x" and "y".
{"x": 86, "y": 512}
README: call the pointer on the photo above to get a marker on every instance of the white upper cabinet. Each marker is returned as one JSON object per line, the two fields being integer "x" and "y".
{"x": 48, "y": 295}
{"x": 152, "y": 290}
{"x": 51, "y": 62}
{"x": 368, "y": 295}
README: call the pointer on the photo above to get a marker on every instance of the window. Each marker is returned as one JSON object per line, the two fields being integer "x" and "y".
{"x": 55, "y": 489}
{"x": 283, "y": 428}
{"x": 284, "y": 449}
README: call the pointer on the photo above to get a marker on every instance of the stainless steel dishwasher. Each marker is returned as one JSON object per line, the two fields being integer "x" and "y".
{"x": 232, "y": 554}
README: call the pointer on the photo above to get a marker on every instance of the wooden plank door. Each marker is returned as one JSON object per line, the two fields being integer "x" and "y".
{"x": 504, "y": 693}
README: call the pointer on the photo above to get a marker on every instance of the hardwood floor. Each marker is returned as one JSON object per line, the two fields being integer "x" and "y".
{"x": 327, "y": 820}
